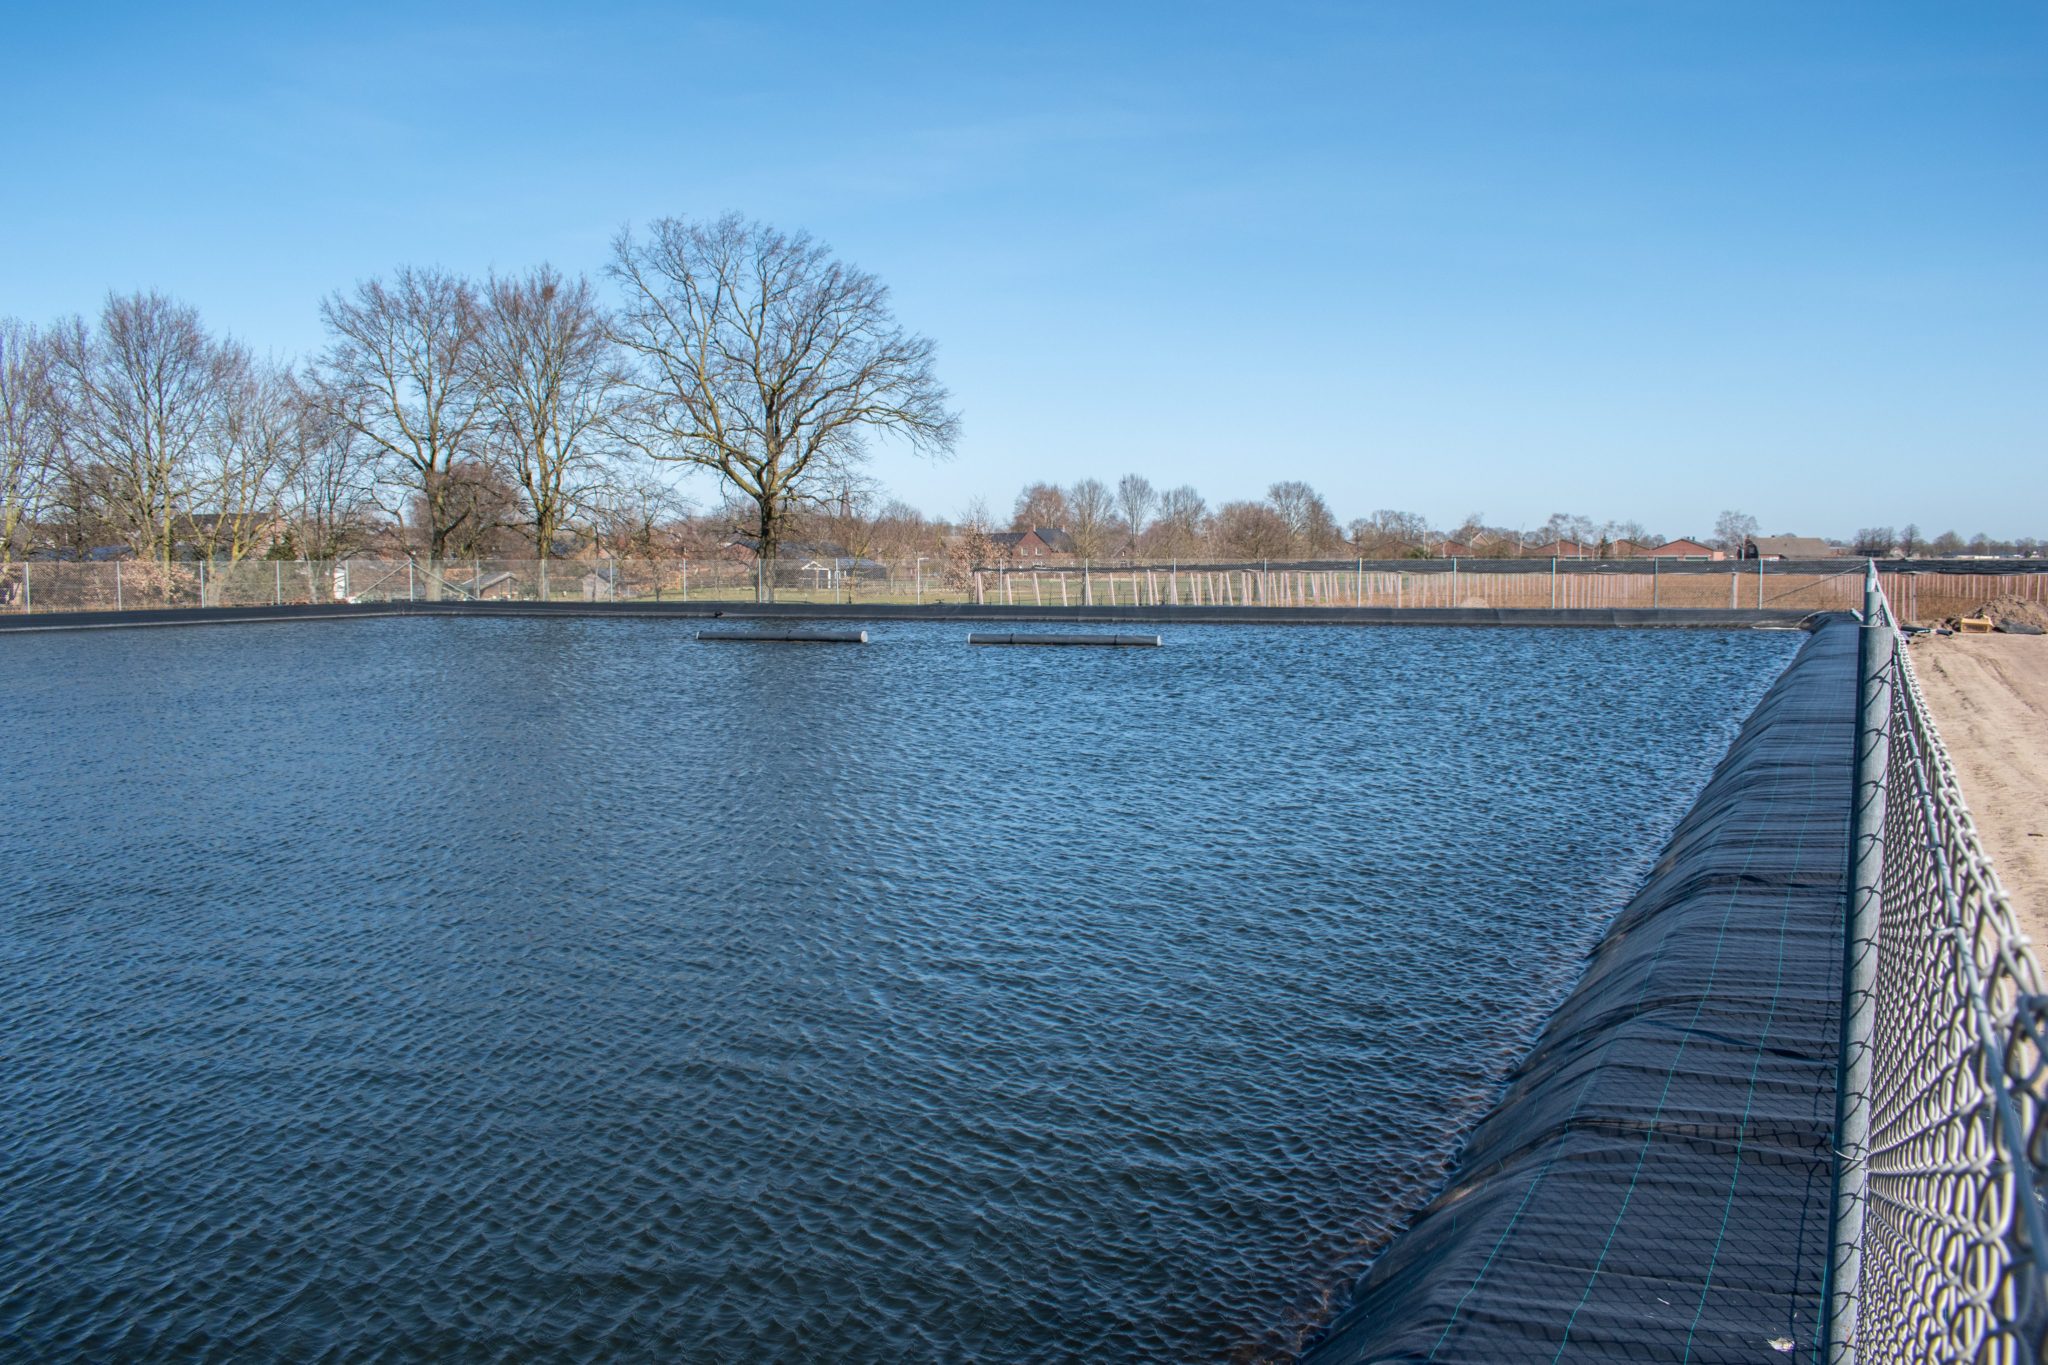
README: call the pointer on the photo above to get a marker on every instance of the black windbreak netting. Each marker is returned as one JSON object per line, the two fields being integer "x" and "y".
{"x": 1655, "y": 1184}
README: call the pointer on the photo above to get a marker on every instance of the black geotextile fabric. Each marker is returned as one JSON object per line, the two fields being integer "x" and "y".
{"x": 1655, "y": 1184}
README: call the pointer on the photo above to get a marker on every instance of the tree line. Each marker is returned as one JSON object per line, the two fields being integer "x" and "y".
{"x": 445, "y": 412}
{"x": 530, "y": 414}
{"x": 1883, "y": 542}
{"x": 1133, "y": 519}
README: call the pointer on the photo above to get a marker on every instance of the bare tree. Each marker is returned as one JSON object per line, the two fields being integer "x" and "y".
{"x": 764, "y": 360}
{"x": 849, "y": 518}
{"x": 1040, "y": 504}
{"x": 330, "y": 500}
{"x": 1472, "y": 530}
{"x": 971, "y": 546}
{"x": 76, "y": 504}
{"x": 1731, "y": 529}
{"x": 142, "y": 403}
{"x": 1571, "y": 526}
{"x": 400, "y": 369}
{"x": 1391, "y": 534}
{"x": 1135, "y": 500}
{"x": 901, "y": 531}
{"x": 637, "y": 518}
{"x": 482, "y": 507}
{"x": 1632, "y": 531}
{"x": 975, "y": 518}
{"x": 550, "y": 378}
{"x": 237, "y": 483}
{"x": 1909, "y": 540}
{"x": 1310, "y": 526}
{"x": 1090, "y": 511}
{"x": 1252, "y": 530}
{"x": 1182, "y": 516}
{"x": 29, "y": 433}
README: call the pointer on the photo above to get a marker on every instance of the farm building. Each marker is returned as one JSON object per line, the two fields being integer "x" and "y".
{"x": 1787, "y": 547}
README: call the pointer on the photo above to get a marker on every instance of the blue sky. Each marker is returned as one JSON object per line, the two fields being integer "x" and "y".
{"x": 1643, "y": 260}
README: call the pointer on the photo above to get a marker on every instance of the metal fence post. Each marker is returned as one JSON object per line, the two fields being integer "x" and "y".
{"x": 202, "y": 582}
{"x": 1655, "y": 580}
{"x": 28, "y": 598}
{"x": 1553, "y": 582}
{"x": 1874, "y": 681}
{"x": 278, "y": 565}
{"x": 408, "y": 578}
{"x": 117, "y": 585}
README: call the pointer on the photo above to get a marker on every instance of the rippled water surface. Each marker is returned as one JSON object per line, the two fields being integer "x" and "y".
{"x": 475, "y": 989}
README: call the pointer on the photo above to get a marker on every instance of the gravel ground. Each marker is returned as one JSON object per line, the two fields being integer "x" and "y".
{"x": 1989, "y": 695}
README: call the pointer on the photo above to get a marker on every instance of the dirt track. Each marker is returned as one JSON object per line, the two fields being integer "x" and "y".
{"x": 1989, "y": 695}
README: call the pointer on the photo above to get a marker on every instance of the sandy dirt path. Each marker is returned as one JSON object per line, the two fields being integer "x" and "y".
{"x": 1989, "y": 696}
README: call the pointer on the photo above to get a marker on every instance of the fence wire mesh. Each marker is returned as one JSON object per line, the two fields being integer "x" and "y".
{"x": 1575, "y": 584}
{"x": 1948, "y": 1175}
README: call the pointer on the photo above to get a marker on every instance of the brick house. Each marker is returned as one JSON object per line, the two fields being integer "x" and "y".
{"x": 1035, "y": 546}
{"x": 1683, "y": 549}
{"x": 1559, "y": 549}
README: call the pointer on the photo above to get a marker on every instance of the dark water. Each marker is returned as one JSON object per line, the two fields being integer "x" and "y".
{"x": 495, "y": 989}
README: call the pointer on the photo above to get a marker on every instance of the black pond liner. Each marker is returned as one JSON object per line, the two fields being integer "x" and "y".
{"x": 1654, "y": 1186}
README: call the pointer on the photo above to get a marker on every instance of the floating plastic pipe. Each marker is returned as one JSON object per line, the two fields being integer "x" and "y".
{"x": 789, "y": 637}
{"x": 1111, "y": 641}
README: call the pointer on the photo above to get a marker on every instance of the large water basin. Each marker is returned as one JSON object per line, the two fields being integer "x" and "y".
{"x": 482, "y": 989}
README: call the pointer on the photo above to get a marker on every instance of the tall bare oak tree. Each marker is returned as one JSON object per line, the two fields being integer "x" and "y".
{"x": 400, "y": 370}
{"x": 762, "y": 358}
{"x": 142, "y": 406}
{"x": 549, "y": 374}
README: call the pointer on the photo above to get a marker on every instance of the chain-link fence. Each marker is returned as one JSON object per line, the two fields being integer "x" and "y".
{"x": 58, "y": 585}
{"x": 1938, "y": 1235}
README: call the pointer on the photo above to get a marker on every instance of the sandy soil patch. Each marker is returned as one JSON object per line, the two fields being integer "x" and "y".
{"x": 1989, "y": 695}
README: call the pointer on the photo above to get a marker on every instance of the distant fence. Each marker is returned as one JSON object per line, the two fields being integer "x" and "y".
{"x": 1938, "y": 1236}
{"x": 139, "y": 584}
{"x": 1925, "y": 590}
{"x": 1778, "y": 585}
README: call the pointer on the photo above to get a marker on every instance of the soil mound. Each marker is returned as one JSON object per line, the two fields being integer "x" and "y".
{"x": 2011, "y": 610}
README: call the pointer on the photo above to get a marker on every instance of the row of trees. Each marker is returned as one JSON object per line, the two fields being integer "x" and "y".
{"x": 438, "y": 403}
{"x": 444, "y": 412}
{"x": 1133, "y": 519}
{"x": 527, "y": 413}
{"x": 1908, "y": 541}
